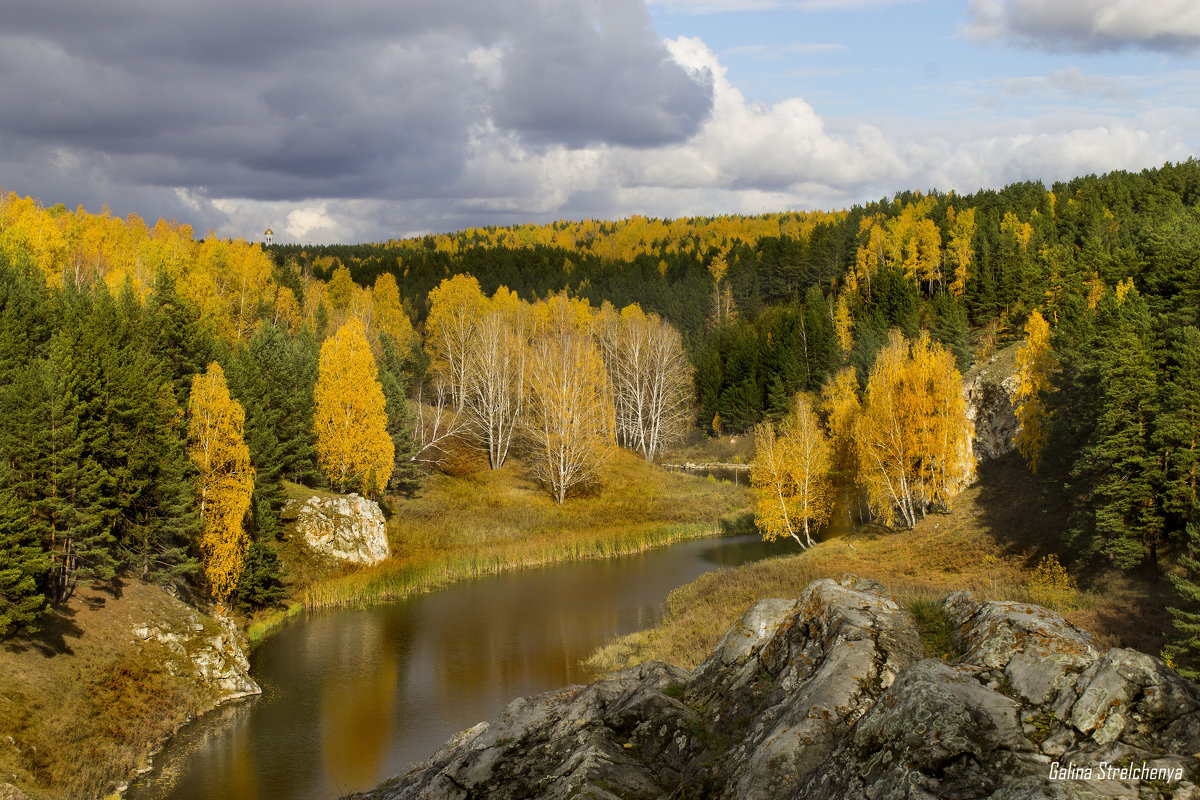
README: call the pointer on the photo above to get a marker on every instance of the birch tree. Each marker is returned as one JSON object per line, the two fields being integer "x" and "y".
{"x": 913, "y": 438}
{"x": 1035, "y": 364}
{"x": 570, "y": 419}
{"x": 790, "y": 474}
{"x": 650, "y": 376}
{"x": 353, "y": 445}
{"x": 456, "y": 307}
{"x": 495, "y": 374}
{"x": 224, "y": 480}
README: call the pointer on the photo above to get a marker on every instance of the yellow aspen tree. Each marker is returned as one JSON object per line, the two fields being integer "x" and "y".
{"x": 790, "y": 475}
{"x": 569, "y": 425}
{"x": 960, "y": 251}
{"x": 224, "y": 480}
{"x": 353, "y": 445}
{"x": 843, "y": 326}
{"x": 456, "y": 306}
{"x": 389, "y": 312}
{"x": 1035, "y": 365}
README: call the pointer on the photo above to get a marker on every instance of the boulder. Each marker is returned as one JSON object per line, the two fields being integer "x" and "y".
{"x": 792, "y": 677}
{"x": 348, "y": 528}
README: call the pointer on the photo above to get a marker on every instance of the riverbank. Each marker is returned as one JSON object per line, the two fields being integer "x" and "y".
{"x": 990, "y": 544}
{"x": 86, "y": 700}
{"x": 491, "y": 521}
{"x": 84, "y": 704}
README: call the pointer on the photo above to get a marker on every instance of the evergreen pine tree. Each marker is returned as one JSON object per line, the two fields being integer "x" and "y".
{"x": 1184, "y": 647}
{"x": 405, "y": 473}
{"x": 174, "y": 334}
{"x": 1124, "y": 505}
{"x": 23, "y": 564}
{"x": 78, "y": 500}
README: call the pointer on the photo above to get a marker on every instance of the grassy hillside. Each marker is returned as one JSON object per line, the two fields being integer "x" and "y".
{"x": 83, "y": 702}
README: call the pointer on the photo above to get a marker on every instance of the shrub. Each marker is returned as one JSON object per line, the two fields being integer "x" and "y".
{"x": 1052, "y": 587}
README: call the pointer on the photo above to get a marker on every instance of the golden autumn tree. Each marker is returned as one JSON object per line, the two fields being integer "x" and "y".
{"x": 913, "y": 438}
{"x": 790, "y": 474}
{"x": 496, "y": 367}
{"x": 843, "y": 326}
{"x": 389, "y": 313}
{"x": 456, "y": 307}
{"x": 841, "y": 407}
{"x": 1035, "y": 364}
{"x": 960, "y": 251}
{"x": 353, "y": 445}
{"x": 224, "y": 481}
{"x": 570, "y": 419}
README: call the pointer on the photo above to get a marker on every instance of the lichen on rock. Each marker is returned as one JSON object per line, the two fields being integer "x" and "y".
{"x": 348, "y": 528}
{"x": 210, "y": 650}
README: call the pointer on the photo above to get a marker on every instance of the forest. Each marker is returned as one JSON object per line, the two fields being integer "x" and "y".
{"x": 129, "y": 353}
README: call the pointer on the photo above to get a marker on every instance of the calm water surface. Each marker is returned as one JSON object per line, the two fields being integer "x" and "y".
{"x": 350, "y": 698}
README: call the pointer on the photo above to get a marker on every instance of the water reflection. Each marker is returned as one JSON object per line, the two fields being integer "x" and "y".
{"x": 351, "y": 698}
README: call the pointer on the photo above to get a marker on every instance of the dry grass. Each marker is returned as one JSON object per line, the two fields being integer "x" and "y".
{"x": 83, "y": 703}
{"x": 989, "y": 544}
{"x": 699, "y": 448}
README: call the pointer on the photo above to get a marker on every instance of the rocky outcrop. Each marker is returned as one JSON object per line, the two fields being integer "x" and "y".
{"x": 210, "y": 650}
{"x": 828, "y": 696}
{"x": 989, "y": 388}
{"x": 10, "y": 792}
{"x": 344, "y": 527}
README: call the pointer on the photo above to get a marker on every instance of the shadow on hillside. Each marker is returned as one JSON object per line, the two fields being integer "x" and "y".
{"x": 1131, "y": 608}
{"x": 1008, "y": 507}
{"x": 56, "y": 627}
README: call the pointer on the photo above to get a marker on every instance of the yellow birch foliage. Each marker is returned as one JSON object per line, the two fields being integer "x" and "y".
{"x": 353, "y": 445}
{"x": 841, "y": 407}
{"x": 960, "y": 251}
{"x": 843, "y": 325}
{"x": 389, "y": 313}
{"x": 790, "y": 475}
{"x": 570, "y": 425}
{"x": 224, "y": 481}
{"x": 913, "y": 438}
{"x": 456, "y": 307}
{"x": 1035, "y": 365}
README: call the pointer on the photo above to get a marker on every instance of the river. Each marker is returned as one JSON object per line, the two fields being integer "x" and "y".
{"x": 350, "y": 698}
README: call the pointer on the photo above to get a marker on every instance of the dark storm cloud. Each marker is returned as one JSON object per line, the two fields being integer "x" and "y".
{"x": 286, "y": 101}
{"x": 578, "y": 80}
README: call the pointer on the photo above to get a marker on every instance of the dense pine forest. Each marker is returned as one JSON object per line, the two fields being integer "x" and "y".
{"x": 114, "y": 336}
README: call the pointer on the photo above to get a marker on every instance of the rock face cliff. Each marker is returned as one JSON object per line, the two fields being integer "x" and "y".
{"x": 210, "y": 650}
{"x": 989, "y": 389}
{"x": 830, "y": 696}
{"x": 348, "y": 528}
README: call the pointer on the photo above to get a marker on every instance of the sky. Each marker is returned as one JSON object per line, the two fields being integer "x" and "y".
{"x": 366, "y": 120}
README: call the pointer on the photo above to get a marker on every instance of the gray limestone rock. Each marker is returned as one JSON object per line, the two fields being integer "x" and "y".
{"x": 989, "y": 388}
{"x": 348, "y": 528}
{"x": 216, "y": 658}
{"x": 827, "y": 697}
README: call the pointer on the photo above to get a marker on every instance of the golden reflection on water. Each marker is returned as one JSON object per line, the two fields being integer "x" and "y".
{"x": 357, "y": 723}
{"x": 353, "y": 697}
